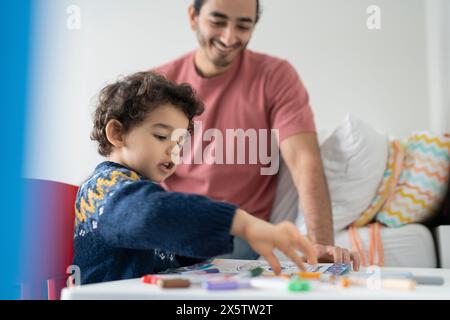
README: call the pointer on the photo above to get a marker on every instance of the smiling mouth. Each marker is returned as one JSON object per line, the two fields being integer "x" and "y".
{"x": 224, "y": 50}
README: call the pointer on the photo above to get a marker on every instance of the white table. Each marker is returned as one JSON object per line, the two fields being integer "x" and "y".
{"x": 136, "y": 290}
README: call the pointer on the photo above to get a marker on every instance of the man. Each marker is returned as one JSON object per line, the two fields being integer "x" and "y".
{"x": 245, "y": 90}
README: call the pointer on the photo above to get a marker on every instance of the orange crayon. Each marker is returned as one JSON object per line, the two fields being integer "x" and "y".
{"x": 308, "y": 275}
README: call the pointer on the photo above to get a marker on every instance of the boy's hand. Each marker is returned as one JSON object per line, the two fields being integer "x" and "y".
{"x": 264, "y": 237}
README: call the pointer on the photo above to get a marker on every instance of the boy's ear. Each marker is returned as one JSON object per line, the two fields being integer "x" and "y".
{"x": 193, "y": 18}
{"x": 114, "y": 133}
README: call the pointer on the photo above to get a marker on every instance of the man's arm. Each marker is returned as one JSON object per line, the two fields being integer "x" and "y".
{"x": 301, "y": 154}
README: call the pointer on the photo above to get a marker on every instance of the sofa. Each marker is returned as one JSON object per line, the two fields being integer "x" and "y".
{"x": 422, "y": 244}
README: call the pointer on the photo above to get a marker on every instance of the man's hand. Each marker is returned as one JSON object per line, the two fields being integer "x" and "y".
{"x": 337, "y": 255}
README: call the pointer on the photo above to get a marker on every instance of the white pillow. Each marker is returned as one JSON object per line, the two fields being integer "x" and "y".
{"x": 354, "y": 158}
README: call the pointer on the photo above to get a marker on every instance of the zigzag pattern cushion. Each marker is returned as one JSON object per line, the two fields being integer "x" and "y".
{"x": 387, "y": 185}
{"x": 422, "y": 183}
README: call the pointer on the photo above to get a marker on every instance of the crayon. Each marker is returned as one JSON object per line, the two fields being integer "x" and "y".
{"x": 308, "y": 275}
{"x": 429, "y": 280}
{"x": 225, "y": 285}
{"x": 270, "y": 282}
{"x": 150, "y": 279}
{"x": 255, "y": 272}
{"x": 298, "y": 284}
{"x": 396, "y": 284}
{"x": 316, "y": 276}
{"x": 173, "y": 283}
{"x": 199, "y": 272}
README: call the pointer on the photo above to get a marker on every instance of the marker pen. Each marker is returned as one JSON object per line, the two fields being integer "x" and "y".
{"x": 396, "y": 284}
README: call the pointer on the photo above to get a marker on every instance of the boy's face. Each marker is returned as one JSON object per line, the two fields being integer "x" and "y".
{"x": 149, "y": 148}
{"x": 224, "y": 28}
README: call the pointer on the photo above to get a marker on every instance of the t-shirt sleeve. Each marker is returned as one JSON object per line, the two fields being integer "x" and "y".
{"x": 288, "y": 102}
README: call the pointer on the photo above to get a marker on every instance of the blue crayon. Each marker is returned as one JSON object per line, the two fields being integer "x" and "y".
{"x": 213, "y": 270}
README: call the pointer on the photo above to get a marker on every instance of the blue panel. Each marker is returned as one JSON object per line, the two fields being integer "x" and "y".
{"x": 14, "y": 68}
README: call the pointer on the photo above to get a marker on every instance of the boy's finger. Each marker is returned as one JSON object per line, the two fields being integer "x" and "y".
{"x": 273, "y": 262}
{"x": 307, "y": 248}
{"x": 302, "y": 243}
{"x": 296, "y": 259}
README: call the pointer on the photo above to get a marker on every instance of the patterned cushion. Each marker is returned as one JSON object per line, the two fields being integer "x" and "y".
{"x": 387, "y": 185}
{"x": 422, "y": 183}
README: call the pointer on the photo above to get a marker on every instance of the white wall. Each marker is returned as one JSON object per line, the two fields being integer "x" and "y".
{"x": 381, "y": 76}
{"x": 438, "y": 57}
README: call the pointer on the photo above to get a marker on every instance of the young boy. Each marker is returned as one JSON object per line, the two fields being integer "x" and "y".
{"x": 126, "y": 224}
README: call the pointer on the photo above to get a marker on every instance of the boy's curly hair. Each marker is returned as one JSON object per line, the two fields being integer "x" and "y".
{"x": 132, "y": 98}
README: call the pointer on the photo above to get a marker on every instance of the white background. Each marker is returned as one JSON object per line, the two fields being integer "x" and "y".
{"x": 391, "y": 78}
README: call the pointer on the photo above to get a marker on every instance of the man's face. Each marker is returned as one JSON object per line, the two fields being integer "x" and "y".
{"x": 224, "y": 28}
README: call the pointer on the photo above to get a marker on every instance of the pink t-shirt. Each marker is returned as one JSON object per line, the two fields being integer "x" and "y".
{"x": 256, "y": 92}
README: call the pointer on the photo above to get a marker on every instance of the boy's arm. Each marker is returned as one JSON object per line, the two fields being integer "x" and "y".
{"x": 141, "y": 215}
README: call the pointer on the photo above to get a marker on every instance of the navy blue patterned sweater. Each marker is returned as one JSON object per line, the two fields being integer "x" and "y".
{"x": 127, "y": 226}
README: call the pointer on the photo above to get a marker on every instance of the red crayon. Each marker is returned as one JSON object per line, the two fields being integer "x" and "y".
{"x": 150, "y": 279}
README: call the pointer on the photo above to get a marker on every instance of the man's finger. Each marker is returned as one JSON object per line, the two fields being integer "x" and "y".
{"x": 273, "y": 262}
{"x": 337, "y": 255}
{"x": 356, "y": 260}
{"x": 346, "y": 256}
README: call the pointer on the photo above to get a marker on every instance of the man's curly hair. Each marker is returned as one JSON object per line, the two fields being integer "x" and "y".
{"x": 132, "y": 98}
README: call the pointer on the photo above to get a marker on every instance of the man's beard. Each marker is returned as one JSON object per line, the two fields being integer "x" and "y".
{"x": 216, "y": 61}
{"x": 221, "y": 62}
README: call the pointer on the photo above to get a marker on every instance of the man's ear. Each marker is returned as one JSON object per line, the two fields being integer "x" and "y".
{"x": 114, "y": 133}
{"x": 193, "y": 18}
